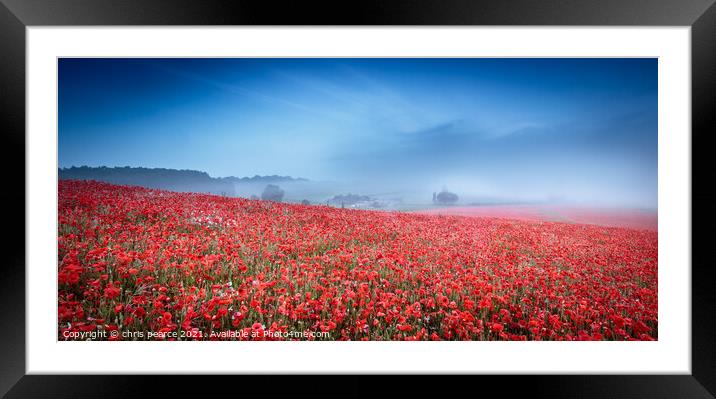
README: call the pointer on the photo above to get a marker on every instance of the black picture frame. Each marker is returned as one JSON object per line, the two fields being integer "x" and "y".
{"x": 16, "y": 15}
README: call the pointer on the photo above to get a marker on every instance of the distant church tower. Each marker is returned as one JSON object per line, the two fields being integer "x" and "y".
{"x": 434, "y": 197}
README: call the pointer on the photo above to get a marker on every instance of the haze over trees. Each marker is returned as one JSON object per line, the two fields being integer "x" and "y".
{"x": 272, "y": 192}
{"x": 445, "y": 197}
{"x": 172, "y": 179}
{"x": 349, "y": 199}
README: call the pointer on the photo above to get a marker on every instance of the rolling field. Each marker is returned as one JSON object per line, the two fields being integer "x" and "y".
{"x": 629, "y": 218}
{"x": 148, "y": 264}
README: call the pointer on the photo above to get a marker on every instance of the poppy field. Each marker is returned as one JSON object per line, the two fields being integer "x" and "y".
{"x": 142, "y": 264}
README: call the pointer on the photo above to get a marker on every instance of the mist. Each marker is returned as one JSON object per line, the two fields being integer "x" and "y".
{"x": 493, "y": 131}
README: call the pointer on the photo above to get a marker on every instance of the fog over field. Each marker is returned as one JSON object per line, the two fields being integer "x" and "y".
{"x": 493, "y": 131}
{"x": 357, "y": 199}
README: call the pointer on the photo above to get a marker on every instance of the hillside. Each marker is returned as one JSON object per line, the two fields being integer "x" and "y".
{"x": 190, "y": 266}
{"x": 168, "y": 179}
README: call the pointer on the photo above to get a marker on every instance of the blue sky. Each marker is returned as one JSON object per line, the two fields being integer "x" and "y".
{"x": 582, "y": 130}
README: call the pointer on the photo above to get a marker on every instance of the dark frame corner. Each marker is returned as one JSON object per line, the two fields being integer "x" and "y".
{"x": 15, "y": 15}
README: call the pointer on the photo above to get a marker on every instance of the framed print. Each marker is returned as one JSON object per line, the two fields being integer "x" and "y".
{"x": 457, "y": 189}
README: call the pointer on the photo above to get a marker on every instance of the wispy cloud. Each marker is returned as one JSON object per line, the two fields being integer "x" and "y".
{"x": 362, "y": 98}
{"x": 233, "y": 88}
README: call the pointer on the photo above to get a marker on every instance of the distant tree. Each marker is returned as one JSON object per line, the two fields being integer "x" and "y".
{"x": 254, "y": 197}
{"x": 305, "y": 202}
{"x": 272, "y": 192}
{"x": 446, "y": 198}
{"x": 349, "y": 199}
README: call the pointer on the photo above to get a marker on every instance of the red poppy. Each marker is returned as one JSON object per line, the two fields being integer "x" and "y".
{"x": 111, "y": 292}
{"x": 211, "y": 263}
{"x": 497, "y": 327}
